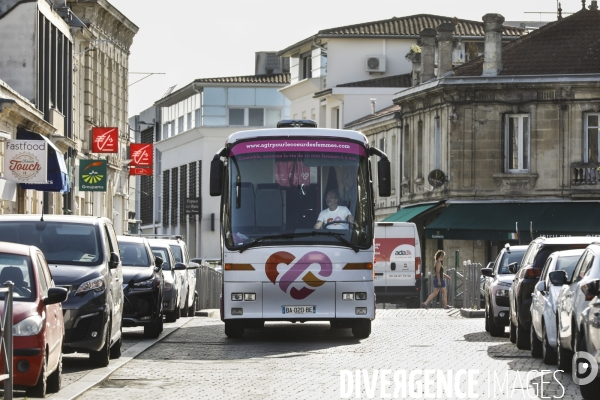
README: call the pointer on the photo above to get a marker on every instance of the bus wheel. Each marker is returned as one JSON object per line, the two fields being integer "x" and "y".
{"x": 362, "y": 328}
{"x": 234, "y": 329}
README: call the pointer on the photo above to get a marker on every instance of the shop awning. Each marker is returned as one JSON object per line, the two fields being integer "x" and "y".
{"x": 408, "y": 213}
{"x": 58, "y": 175}
{"x": 497, "y": 221}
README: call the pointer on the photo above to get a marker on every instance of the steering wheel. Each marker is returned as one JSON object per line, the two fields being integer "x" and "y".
{"x": 22, "y": 291}
{"x": 351, "y": 225}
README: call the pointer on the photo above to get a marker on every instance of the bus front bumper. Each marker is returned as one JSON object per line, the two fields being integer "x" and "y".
{"x": 298, "y": 301}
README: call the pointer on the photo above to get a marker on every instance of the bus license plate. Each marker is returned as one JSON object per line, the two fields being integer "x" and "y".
{"x": 298, "y": 309}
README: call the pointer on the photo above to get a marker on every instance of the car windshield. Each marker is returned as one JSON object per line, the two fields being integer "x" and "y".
{"x": 509, "y": 258}
{"x": 177, "y": 253}
{"x": 17, "y": 269}
{"x": 61, "y": 242}
{"x": 279, "y": 191}
{"x": 164, "y": 254}
{"x": 134, "y": 254}
{"x": 567, "y": 264}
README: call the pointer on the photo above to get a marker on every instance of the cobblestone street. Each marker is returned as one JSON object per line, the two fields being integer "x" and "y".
{"x": 305, "y": 361}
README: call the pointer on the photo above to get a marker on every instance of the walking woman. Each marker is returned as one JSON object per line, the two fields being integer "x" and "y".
{"x": 439, "y": 281}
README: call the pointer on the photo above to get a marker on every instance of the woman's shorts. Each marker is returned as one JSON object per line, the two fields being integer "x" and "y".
{"x": 436, "y": 283}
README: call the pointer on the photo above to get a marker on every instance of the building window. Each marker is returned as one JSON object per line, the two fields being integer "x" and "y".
{"x": 419, "y": 149}
{"x": 382, "y": 144}
{"x": 174, "y": 203}
{"x": 172, "y": 130}
{"x": 306, "y": 65}
{"x": 516, "y": 143}
{"x": 394, "y": 161}
{"x": 236, "y": 117}
{"x": 189, "y": 121}
{"x": 180, "y": 127}
{"x": 405, "y": 154}
{"x": 437, "y": 142}
{"x": 591, "y": 140}
{"x": 198, "y": 113}
{"x": 256, "y": 117}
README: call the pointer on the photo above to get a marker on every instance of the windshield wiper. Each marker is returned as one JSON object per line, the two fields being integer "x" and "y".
{"x": 299, "y": 234}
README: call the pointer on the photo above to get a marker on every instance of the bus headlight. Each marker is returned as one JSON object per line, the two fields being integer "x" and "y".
{"x": 347, "y": 296}
{"x": 360, "y": 295}
{"x": 249, "y": 296}
{"x": 237, "y": 296}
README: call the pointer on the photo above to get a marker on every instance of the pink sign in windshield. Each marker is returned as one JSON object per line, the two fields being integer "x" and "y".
{"x": 286, "y": 145}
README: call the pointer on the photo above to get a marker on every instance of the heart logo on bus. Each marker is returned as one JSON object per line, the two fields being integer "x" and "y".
{"x": 296, "y": 270}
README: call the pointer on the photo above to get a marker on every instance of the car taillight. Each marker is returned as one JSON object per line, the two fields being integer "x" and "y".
{"x": 417, "y": 267}
{"x": 531, "y": 273}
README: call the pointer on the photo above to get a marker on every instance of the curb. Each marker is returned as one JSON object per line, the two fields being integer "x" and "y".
{"x": 466, "y": 313}
{"x": 99, "y": 375}
{"x": 209, "y": 313}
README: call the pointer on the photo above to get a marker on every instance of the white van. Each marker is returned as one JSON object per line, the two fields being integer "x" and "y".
{"x": 397, "y": 263}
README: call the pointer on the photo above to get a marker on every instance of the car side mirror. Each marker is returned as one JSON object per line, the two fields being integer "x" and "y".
{"x": 487, "y": 272}
{"x": 179, "y": 266}
{"x": 591, "y": 289}
{"x": 540, "y": 286}
{"x": 513, "y": 267}
{"x": 114, "y": 260}
{"x": 193, "y": 265}
{"x": 56, "y": 295}
{"x": 558, "y": 278}
{"x": 159, "y": 261}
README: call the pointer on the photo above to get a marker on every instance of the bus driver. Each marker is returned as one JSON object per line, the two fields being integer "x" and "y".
{"x": 333, "y": 212}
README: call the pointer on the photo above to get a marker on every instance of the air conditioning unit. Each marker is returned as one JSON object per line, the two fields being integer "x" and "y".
{"x": 375, "y": 63}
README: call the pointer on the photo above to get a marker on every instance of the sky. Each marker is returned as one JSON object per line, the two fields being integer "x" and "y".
{"x": 194, "y": 39}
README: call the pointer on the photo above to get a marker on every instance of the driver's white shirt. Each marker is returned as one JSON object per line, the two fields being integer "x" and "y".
{"x": 339, "y": 214}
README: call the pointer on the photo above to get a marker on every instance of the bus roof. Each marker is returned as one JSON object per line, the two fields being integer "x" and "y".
{"x": 297, "y": 132}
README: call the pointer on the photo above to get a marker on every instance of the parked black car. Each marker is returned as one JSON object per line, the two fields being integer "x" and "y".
{"x": 527, "y": 276}
{"x": 83, "y": 257}
{"x": 143, "y": 286}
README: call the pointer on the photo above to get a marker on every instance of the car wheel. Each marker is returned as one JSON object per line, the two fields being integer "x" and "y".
{"x": 548, "y": 353}
{"x": 495, "y": 330}
{"x": 192, "y": 309}
{"x": 535, "y": 343}
{"x": 115, "y": 350}
{"x": 39, "y": 390}
{"x": 101, "y": 358}
{"x": 55, "y": 378}
{"x": 171, "y": 316}
{"x": 234, "y": 329}
{"x": 361, "y": 328}
{"x": 563, "y": 358}
{"x": 152, "y": 331}
{"x": 512, "y": 334}
{"x": 487, "y": 317}
{"x": 184, "y": 310}
{"x": 522, "y": 338}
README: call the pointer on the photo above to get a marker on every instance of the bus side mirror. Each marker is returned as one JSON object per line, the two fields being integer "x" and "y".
{"x": 217, "y": 169}
{"x": 384, "y": 181}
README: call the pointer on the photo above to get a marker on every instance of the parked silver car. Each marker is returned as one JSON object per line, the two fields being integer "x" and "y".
{"x": 572, "y": 301}
{"x": 181, "y": 254}
{"x": 543, "y": 304}
{"x": 589, "y": 340}
{"x": 498, "y": 280}
{"x": 173, "y": 280}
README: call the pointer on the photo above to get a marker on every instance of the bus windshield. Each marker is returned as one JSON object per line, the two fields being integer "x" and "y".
{"x": 298, "y": 191}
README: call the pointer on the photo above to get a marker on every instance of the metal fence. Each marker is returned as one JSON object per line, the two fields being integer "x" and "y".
{"x": 472, "y": 282}
{"x": 208, "y": 284}
{"x": 6, "y": 340}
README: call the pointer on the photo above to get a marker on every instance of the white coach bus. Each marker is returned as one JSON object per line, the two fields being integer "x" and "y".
{"x": 297, "y": 226}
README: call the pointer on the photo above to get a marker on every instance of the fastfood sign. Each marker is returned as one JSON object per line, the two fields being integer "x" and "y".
{"x": 26, "y": 161}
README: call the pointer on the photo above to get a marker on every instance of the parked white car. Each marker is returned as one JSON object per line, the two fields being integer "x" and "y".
{"x": 543, "y": 305}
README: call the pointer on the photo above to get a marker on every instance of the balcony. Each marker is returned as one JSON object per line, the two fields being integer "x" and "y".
{"x": 584, "y": 174}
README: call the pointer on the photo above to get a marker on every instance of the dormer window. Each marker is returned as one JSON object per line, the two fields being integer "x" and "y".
{"x": 306, "y": 65}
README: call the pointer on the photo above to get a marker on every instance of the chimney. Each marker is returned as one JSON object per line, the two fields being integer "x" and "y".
{"x": 427, "y": 54}
{"x": 492, "y": 54}
{"x": 445, "y": 48}
{"x": 594, "y": 5}
{"x": 416, "y": 68}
